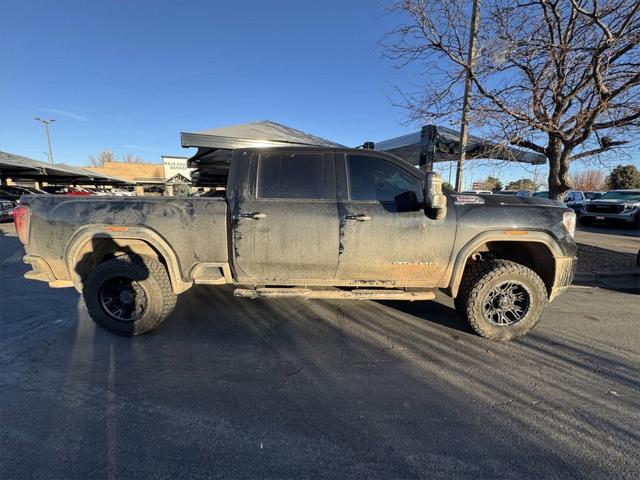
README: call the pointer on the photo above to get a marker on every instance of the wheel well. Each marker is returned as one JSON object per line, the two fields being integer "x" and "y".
{"x": 534, "y": 255}
{"x": 98, "y": 249}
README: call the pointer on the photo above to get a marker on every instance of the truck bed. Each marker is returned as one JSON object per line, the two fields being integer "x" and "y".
{"x": 195, "y": 229}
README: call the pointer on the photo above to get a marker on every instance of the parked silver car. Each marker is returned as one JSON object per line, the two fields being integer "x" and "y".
{"x": 616, "y": 205}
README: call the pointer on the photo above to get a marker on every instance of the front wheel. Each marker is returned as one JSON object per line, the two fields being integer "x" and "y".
{"x": 128, "y": 295}
{"x": 501, "y": 299}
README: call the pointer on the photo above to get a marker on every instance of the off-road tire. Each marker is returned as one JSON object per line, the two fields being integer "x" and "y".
{"x": 149, "y": 274}
{"x": 479, "y": 278}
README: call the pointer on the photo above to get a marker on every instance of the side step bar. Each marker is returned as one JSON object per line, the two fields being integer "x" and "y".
{"x": 334, "y": 293}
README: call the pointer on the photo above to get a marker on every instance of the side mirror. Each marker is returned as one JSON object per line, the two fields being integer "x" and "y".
{"x": 435, "y": 202}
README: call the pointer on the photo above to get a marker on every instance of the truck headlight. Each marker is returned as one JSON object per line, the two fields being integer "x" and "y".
{"x": 569, "y": 222}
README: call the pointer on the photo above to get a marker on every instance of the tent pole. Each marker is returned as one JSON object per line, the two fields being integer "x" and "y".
{"x": 428, "y": 135}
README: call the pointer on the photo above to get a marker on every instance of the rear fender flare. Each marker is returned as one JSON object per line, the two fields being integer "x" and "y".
{"x": 87, "y": 233}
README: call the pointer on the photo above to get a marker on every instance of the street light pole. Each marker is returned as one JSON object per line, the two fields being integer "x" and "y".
{"x": 45, "y": 124}
{"x": 473, "y": 33}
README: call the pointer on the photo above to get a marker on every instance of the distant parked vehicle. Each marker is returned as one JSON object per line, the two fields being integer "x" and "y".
{"x": 22, "y": 190}
{"x": 593, "y": 195}
{"x": 66, "y": 190}
{"x": 10, "y": 194}
{"x": 13, "y": 193}
{"x": 477, "y": 192}
{"x": 615, "y": 205}
{"x": 6, "y": 209}
{"x": 516, "y": 193}
{"x": 121, "y": 192}
{"x": 574, "y": 199}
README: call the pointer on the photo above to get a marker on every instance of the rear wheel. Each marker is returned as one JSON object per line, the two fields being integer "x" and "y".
{"x": 129, "y": 295}
{"x": 501, "y": 299}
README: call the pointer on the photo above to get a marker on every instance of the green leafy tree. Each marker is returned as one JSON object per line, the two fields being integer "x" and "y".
{"x": 493, "y": 184}
{"x": 624, "y": 176}
{"x": 522, "y": 184}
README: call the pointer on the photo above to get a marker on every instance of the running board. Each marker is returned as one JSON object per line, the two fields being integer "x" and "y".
{"x": 334, "y": 293}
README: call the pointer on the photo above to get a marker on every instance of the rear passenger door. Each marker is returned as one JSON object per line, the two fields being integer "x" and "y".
{"x": 286, "y": 229}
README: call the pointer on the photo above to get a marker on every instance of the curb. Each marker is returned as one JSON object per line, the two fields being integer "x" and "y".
{"x": 626, "y": 281}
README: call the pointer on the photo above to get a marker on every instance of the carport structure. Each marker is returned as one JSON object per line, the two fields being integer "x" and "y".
{"x": 213, "y": 158}
{"x": 19, "y": 168}
{"x": 432, "y": 144}
{"x": 422, "y": 148}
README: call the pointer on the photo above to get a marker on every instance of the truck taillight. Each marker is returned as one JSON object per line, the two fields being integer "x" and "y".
{"x": 569, "y": 221}
{"x": 21, "y": 221}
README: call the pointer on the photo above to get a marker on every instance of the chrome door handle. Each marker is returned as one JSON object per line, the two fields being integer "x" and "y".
{"x": 254, "y": 215}
{"x": 360, "y": 217}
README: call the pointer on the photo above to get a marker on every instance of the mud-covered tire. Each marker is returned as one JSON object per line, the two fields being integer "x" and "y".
{"x": 155, "y": 296}
{"x": 483, "y": 277}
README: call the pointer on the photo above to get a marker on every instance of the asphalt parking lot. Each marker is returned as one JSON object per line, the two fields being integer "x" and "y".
{"x": 235, "y": 388}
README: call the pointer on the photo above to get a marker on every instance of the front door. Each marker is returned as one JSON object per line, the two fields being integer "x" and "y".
{"x": 285, "y": 229}
{"x": 385, "y": 237}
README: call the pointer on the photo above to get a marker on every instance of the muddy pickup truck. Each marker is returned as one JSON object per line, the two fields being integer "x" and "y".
{"x": 316, "y": 223}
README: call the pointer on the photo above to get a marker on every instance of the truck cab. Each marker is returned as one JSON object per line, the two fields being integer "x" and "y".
{"x": 366, "y": 208}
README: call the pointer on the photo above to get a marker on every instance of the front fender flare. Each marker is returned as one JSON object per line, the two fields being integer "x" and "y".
{"x": 532, "y": 237}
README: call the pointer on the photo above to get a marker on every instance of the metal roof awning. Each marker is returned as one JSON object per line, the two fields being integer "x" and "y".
{"x": 17, "y": 166}
{"x": 213, "y": 157}
{"x": 256, "y": 134}
{"x": 433, "y": 144}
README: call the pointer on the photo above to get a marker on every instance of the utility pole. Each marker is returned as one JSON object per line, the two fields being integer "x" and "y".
{"x": 464, "y": 122}
{"x": 45, "y": 124}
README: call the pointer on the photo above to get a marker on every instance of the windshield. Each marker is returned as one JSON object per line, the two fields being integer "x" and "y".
{"x": 620, "y": 195}
{"x": 592, "y": 195}
{"x": 541, "y": 194}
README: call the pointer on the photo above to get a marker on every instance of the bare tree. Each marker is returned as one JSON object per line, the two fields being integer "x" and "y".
{"x": 558, "y": 77}
{"x": 589, "y": 180}
{"x": 100, "y": 159}
{"x": 108, "y": 156}
{"x": 130, "y": 158}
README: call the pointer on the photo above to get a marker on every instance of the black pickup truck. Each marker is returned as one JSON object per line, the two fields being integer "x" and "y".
{"x": 325, "y": 223}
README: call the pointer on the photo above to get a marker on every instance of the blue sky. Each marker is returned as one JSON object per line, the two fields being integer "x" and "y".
{"x": 130, "y": 75}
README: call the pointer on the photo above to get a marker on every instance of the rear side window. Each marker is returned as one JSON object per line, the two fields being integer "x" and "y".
{"x": 373, "y": 178}
{"x": 295, "y": 175}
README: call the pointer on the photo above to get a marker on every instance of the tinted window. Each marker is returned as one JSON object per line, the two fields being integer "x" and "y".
{"x": 373, "y": 178}
{"x": 297, "y": 175}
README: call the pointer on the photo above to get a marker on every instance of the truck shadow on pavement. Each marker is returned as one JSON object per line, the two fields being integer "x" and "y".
{"x": 230, "y": 387}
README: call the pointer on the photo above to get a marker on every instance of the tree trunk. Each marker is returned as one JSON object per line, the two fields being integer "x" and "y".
{"x": 558, "y": 156}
